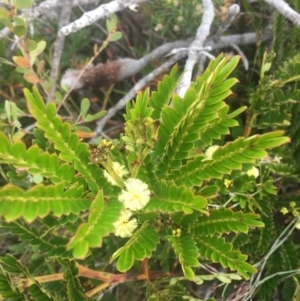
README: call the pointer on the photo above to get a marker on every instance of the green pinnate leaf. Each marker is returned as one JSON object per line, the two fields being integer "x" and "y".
{"x": 226, "y": 158}
{"x": 225, "y": 220}
{"x": 216, "y": 249}
{"x": 100, "y": 224}
{"x": 194, "y": 118}
{"x": 185, "y": 248}
{"x": 165, "y": 90}
{"x": 75, "y": 291}
{"x": 225, "y": 86}
{"x": 34, "y": 101}
{"x": 170, "y": 198}
{"x": 66, "y": 142}
{"x": 38, "y": 293}
{"x": 39, "y": 201}
{"x": 227, "y": 69}
{"x": 142, "y": 243}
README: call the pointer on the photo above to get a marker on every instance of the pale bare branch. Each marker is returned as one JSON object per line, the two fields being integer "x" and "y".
{"x": 283, "y": 8}
{"x": 59, "y": 44}
{"x": 196, "y": 46}
{"x": 103, "y": 11}
{"x": 233, "y": 10}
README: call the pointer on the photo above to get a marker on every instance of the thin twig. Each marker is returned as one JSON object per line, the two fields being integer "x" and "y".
{"x": 243, "y": 56}
{"x": 233, "y": 10}
{"x": 41, "y": 9}
{"x": 283, "y": 8}
{"x": 255, "y": 279}
{"x": 59, "y": 45}
{"x": 196, "y": 46}
{"x": 103, "y": 11}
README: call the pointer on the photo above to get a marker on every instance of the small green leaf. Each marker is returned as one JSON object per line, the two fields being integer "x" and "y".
{"x": 30, "y": 211}
{"x": 237, "y": 112}
{"x": 23, "y": 70}
{"x": 84, "y": 107}
{"x": 241, "y": 267}
{"x": 125, "y": 261}
{"x": 30, "y": 45}
{"x": 41, "y": 45}
{"x": 117, "y": 254}
{"x": 19, "y": 31}
{"x": 81, "y": 250}
{"x": 4, "y": 14}
{"x": 80, "y": 233}
{"x": 6, "y": 23}
{"x": 208, "y": 191}
{"x": 273, "y": 142}
{"x": 188, "y": 272}
{"x": 4, "y": 144}
{"x": 19, "y": 21}
{"x": 227, "y": 69}
{"x": 84, "y": 129}
{"x": 98, "y": 115}
{"x": 14, "y": 211}
{"x": 266, "y": 67}
{"x": 96, "y": 208}
{"x": 67, "y": 157}
{"x": 223, "y": 278}
{"x": 187, "y": 210}
{"x": 4, "y": 61}
{"x": 111, "y": 23}
{"x": 116, "y": 36}
{"x": 22, "y": 4}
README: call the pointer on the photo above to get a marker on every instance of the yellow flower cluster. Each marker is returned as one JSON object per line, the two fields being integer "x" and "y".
{"x": 135, "y": 196}
{"x": 227, "y": 183}
{"x": 209, "y": 152}
{"x": 253, "y": 172}
{"x": 176, "y": 233}
{"x": 293, "y": 209}
{"x": 124, "y": 226}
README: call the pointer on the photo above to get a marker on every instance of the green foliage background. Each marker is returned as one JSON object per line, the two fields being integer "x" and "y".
{"x": 208, "y": 219}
